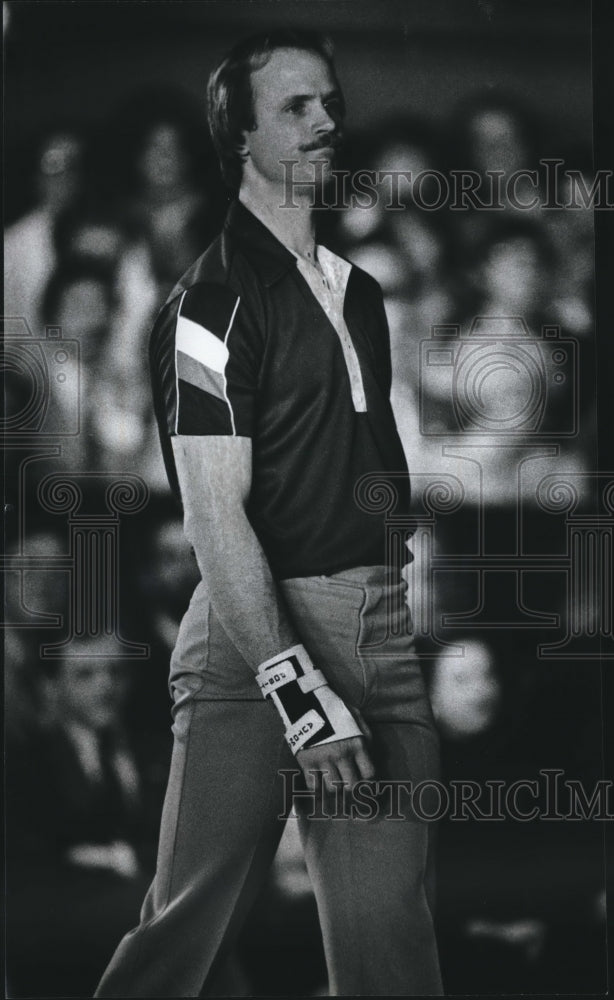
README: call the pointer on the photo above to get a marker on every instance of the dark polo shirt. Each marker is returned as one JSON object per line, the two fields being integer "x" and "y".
{"x": 243, "y": 348}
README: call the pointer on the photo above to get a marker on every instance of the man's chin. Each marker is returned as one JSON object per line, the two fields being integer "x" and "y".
{"x": 311, "y": 177}
{"x": 322, "y": 159}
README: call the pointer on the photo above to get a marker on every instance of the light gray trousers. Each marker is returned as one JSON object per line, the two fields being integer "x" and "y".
{"x": 230, "y": 782}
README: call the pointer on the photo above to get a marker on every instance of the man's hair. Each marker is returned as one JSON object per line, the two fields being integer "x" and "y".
{"x": 230, "y": 106}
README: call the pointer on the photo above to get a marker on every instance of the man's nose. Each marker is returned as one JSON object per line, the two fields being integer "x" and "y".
{"x": 324, "y": 121}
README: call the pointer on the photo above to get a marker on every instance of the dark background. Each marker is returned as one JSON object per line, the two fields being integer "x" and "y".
{"x": 531, "y": 891}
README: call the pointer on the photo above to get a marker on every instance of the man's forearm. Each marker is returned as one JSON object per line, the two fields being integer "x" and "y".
{"x": 214, "y": 474}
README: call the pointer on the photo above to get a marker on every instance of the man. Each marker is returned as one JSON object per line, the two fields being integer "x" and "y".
{"x": 29, "y": 252}
{"x": 77, "y": 843}
{"x": 271, "y": 376}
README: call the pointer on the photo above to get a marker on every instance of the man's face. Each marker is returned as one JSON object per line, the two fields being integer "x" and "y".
{"x": 163, "y": 163}
{"x": 514, "y": 275}
{"x": 298, "y": 111}
{"x": 497, "y": 142}
{"x": 91, "y": 692}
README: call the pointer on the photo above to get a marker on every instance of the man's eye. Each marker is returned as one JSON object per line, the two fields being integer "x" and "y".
{"x": 296, "y": 108}
{"x": 334, "y": 105}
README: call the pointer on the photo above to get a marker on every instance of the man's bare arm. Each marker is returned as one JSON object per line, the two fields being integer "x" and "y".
{"x": 215, "y": 478}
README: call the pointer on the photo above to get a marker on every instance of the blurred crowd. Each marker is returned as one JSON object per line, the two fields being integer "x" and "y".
{"x": 116, "y": 217}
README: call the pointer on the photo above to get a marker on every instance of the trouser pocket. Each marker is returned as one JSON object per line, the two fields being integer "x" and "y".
{"x": 330, "y": 620}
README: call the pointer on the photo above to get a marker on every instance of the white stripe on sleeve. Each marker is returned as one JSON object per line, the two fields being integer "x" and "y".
{"x": 202, "y": 345}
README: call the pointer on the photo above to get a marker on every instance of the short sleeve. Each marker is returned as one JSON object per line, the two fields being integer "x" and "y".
{"x": 204, "y": 361}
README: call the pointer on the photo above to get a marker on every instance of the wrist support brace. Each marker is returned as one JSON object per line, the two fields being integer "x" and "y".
{"x": 311, "y": 712}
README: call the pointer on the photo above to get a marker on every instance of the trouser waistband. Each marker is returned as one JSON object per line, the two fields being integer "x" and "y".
{"x": 381, "y": 576}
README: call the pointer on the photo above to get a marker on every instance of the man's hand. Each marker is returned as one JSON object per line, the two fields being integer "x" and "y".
{"x": 344, "y": 760}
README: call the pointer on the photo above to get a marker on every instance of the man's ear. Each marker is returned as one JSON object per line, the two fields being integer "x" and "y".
{"x": 242, "y": 148}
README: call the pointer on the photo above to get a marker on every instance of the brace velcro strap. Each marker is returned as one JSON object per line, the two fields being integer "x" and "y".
{"x": 295, "y": 653}
{"x": 312, "y": 680}
{"x": 311, "y": 712}
{"x": 307, "y": 726}
{"x": 274, "y": 677}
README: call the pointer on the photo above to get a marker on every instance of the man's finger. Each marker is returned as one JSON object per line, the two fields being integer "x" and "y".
{"x": 312, "y": 778}
{"x": 330, "y": 775}
{"x": 348, "y": 771}
{"x": 364, "y": 764}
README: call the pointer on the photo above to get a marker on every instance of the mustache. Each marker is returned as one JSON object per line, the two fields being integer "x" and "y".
{"x": 326, "y": 142}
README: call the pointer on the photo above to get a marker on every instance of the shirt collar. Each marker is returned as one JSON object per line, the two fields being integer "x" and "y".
{"x": 269, "y": 257}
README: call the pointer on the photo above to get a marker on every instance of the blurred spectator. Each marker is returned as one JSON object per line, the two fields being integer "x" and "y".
{"x": 423, "y": 241}
{"x": 117, "y": 429}
{"x": 29, "y": 255}
{"x": 466, "y": 691}
{"x": 22, "y": 703}
{"x": 571, "y": 231}
{"x": 381, "y": 261}
{"x": 75, "y": 836}
{"x": 408, "y": 250}
{"x": 510, "y": 272}
{"x": 89, "y": 228}
{"x": 495, "y": 132}
{"x": 393, "y": 157}
{"x": 168, "y": 577}
{"x": 171, "y": 191}
{"x": 502, "y": 378}
{"x": 79, "y": 298}
{"x": 94, "y": 229}
{"x": 152, "y": 210}
{"x": 165, "y": 576}
{"x": 38, "y": 594}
